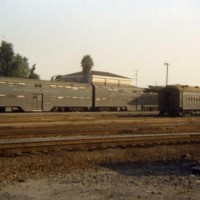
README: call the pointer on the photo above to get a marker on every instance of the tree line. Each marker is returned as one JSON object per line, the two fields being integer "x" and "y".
{"x": 15, "y": 65}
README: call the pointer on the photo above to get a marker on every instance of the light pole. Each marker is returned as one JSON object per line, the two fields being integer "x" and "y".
{"x": 167, "y": 64}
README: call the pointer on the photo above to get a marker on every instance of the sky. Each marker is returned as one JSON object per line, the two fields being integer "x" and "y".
{"x": 124, "y": 37}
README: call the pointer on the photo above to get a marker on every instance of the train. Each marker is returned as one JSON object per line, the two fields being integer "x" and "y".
{"x": 28, "y": 95}
{"x": 179, "y": 100}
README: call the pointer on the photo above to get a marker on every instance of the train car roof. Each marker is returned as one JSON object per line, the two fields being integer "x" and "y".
{"x": 185, "y": 88}
{"x": 10, "y": 79}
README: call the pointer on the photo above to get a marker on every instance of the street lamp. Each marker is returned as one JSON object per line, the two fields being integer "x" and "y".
{"x": 167, "y": 64}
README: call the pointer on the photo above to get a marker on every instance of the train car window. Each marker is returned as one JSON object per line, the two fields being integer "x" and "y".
{"x": 21, "y": 96}
{"x": 2, "y": 95}
{"x": 81, "y": 98}
{"x": 98, "y": 99}
{"x": 192, "y": 98}
{"x": 60, "y": 97}
{"x": 21, "y": 84}
{"x": 53, "y": 86}
{"x": 60, "y": 86}
{"x": 67, "y": 97}
{"x": 2, "y": 82}
{"x": 68, "y": 87}
{"x": 74, "y": 88}
{"x": 74, "y": 97}
{"x": 103, "y": 98}
{"x": 82, "y": 88}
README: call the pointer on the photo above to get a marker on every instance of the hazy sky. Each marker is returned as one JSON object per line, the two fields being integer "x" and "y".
{"x": 122, "y": 36}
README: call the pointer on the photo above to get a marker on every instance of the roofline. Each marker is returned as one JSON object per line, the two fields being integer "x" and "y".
{"x": 75, "y": 74}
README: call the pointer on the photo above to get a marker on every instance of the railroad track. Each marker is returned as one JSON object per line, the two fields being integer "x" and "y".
{"x": 10, "y": 146}
{"x": 45, "y": 132}
{"x": 101, "y": 127}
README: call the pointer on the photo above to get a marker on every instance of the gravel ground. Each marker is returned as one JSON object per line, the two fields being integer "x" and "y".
{"x": 160, "y": 172}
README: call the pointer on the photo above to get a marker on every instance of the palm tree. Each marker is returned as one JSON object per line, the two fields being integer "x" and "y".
{"x": 87, "y": 64}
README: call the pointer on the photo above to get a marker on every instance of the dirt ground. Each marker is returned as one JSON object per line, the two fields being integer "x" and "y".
{"x": 159, "y": 172}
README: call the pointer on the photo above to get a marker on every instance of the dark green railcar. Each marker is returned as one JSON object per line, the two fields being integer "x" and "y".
{"x": 176, "y": 100}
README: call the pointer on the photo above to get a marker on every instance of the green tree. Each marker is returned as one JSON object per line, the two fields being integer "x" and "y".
{"x": 12, "y": 65}
{"x": 87, "y": 64}
{"x": 19, "y": 67}
{"x": 32, "y": 74}
{"x": 6, "y": 58}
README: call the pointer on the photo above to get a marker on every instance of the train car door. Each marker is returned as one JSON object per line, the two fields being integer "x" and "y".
{"x": 168, "y": 99}
{"x": 37, "y": 102}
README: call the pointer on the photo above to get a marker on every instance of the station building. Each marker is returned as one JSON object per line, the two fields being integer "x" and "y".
{"x": 100, "y": 78}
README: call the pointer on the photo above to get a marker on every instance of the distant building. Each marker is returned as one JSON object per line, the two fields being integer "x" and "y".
{"x": 97, "y": 77}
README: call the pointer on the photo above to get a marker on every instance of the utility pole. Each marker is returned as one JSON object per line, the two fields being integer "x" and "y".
{"x": 167, "y": 64}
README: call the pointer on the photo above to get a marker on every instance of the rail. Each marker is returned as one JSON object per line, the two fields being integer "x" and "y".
{"x": 94, "y": 142}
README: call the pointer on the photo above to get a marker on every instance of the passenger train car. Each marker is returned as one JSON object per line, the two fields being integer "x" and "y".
{"x": 148, "y": 101}
{"x": 178, "y": 100}
{"x": 36, "y": 95}
{"x": 115, "y": 98}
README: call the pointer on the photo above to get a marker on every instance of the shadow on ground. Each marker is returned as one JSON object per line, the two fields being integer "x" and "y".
{"x": 153, "y": 168}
